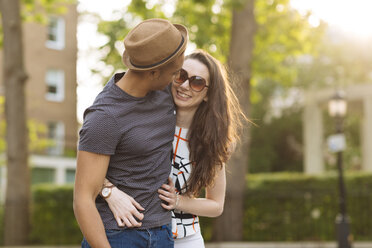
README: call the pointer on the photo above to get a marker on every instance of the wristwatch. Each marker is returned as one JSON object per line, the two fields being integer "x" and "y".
{"x": 106, "y": 190}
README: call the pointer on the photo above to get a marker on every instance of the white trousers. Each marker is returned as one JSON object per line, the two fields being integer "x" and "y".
{"x": 195, "y": 241}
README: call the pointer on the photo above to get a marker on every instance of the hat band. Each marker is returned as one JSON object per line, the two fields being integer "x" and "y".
{"x": 162, "y": 61}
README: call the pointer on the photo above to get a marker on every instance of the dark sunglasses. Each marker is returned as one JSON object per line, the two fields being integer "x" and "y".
{"x": 196, "y": 83}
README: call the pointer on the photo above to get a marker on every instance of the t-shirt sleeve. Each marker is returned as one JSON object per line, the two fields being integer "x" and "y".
{"x": 99, "y": 133}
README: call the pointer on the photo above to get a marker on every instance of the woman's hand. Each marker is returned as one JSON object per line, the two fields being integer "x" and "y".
{"x": 167, "y": 193}
{"x": 124, "y": 208}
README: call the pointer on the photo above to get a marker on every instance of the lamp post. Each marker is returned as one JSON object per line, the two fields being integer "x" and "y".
{"x": 337, "y": 107}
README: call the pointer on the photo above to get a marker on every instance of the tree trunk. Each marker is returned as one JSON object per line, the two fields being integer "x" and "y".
{"x": 16, "y": 217}
{"x": 229, "y": 227}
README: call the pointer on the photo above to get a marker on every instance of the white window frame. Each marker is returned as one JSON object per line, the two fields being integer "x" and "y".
{"x": 55, "y": 78}
{"x": 57, "y": 30}
{"x": 58, "y": 139}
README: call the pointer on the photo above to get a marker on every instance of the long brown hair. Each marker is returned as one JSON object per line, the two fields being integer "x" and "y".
{"x": 213, "y": 131}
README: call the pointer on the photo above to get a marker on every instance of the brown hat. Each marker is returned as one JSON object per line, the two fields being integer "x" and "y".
{"x": 152, "y": 43}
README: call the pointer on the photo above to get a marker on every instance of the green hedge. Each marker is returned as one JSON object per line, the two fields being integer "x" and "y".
{"x": 53, "y": 220}
{"x": 296, "y": 207}
{"x": 52, "y": 217}
{"x": 279, "y": 207}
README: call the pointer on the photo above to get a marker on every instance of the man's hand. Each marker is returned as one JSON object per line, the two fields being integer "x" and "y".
{"x": 124, "y": 208}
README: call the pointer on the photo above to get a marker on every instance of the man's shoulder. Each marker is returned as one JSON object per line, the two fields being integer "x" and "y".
{"x": 164, "y": 96}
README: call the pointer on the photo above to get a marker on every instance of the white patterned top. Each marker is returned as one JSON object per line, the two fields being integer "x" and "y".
{"x": 183, "y": 224}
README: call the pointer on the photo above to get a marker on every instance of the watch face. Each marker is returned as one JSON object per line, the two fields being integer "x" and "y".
{"x": 106, "y": 192}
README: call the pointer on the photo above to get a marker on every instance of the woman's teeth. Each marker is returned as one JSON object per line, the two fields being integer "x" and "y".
{"x": 182, "y": 94}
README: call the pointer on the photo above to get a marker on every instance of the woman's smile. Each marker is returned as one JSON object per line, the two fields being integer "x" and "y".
{"x": 182, "y": 96}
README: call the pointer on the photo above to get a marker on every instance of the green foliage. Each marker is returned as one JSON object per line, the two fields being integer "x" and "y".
{"x": 36, "y": 10}
{"x": 296, "y": 207}
{"x": 282, "y": 37}
{"x": 209, "y": 24}
{"x": 333, "y": 64}
{"x": 53, "y": 220}
{"x": 278, "y": 207}
{"x": 339, "y": 62}
{"x": 37, "y": 137}
{"x": 352, "y": 157}
{"x": 37, "y": 133}
{"x": 146, "y": 9}
{"x": 70, "y": 153}
{"x": 282, "y": 33}
{"x": 277, "y": 144}
{"x": 115, "y": 32}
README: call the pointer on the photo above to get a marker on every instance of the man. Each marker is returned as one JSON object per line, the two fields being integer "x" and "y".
{"x": 127, "y": 137}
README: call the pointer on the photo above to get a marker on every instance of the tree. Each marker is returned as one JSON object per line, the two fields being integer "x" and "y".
{"x": 17, "y": 202}
{"x": 2, "y": 127}
{"x": 240, "y": 59}
{"x": 18, "y": 186}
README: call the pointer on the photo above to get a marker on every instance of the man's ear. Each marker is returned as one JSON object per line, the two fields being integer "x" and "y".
{"x": 154, "y": 74}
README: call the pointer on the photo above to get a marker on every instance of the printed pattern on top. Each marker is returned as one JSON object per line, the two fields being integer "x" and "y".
{"x": 183, "y": 224}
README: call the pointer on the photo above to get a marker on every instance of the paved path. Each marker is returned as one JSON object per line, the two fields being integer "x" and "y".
{"x": 285, "y": 245}
{"x": 247, "y": 245}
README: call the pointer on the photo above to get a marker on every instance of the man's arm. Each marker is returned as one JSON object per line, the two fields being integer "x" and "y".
{"x": 90, "y": 173}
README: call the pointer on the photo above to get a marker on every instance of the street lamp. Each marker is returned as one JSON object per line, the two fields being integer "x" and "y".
{"x": 337, "y": 107}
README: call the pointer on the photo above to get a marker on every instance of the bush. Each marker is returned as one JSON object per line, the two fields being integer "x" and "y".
{"x": 53, "y": 220}
{"x": 278, "y": 207}
{"x": 297, "y": 207}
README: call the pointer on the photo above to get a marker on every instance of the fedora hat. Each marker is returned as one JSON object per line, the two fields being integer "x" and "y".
{"x": 153, "y": 43}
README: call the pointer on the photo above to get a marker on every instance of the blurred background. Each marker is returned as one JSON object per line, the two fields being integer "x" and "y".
{"x": 303, "y": 74}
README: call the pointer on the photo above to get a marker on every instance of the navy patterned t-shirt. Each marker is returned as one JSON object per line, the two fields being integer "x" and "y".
{"x": 137, "y": 133}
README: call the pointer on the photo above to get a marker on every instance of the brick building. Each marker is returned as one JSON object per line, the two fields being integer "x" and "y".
{"x": 50, "y": 61}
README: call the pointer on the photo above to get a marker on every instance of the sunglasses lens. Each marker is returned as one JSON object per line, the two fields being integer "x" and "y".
{"x": 181, "y": 76}
{"x": 197, "y": 83}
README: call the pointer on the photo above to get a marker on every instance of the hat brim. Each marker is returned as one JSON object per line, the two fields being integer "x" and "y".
{"x": 181, "y": 49}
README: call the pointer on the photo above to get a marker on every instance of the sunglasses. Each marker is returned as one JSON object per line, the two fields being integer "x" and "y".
{"x": 196, "y": 83}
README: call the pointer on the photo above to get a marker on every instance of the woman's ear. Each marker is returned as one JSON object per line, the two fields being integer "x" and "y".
{"x": 205, "y": 99}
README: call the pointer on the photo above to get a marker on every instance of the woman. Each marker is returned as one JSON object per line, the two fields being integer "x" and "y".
{"x": 208, "y": 116}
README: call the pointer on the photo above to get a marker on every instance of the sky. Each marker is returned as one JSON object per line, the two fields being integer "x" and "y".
{"x": 349, "y": 16}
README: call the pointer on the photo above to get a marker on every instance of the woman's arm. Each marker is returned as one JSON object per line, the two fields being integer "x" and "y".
{"x": 124, "y": 208}
{"x": 210, "y": 206}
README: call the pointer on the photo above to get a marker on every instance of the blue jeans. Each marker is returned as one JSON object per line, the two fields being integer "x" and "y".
{"x": 158, "y": 237}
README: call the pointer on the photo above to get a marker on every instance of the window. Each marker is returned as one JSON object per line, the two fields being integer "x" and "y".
{"x": 42, "y": 175}
{"x": 55, "y": 82}
{"x": 70, "y": 175}
{"x": 56, "y": 134}
{"x": 56, "y": 33}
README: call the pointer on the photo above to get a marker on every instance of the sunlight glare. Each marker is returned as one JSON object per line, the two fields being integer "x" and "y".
{"x": 352, "y": 16}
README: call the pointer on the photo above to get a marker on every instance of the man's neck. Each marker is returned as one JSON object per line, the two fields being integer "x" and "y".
{"x": 133, "y": 84}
